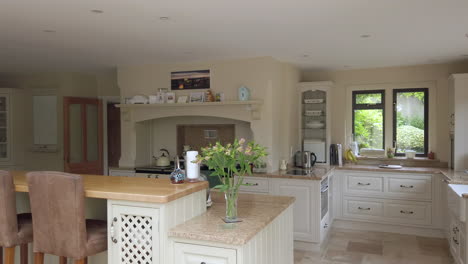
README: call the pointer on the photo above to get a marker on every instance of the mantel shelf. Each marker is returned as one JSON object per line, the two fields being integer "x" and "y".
{"x": 144, "y": 111}
{"x": 252, "y": 103}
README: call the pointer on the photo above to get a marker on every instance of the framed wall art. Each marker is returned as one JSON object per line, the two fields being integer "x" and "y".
{"x": 186, "y": 80}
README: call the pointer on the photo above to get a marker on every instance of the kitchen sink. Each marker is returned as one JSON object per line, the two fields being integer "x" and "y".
{"x": 456, "y": 202}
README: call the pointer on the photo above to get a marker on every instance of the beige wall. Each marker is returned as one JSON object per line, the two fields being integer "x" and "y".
{"x": 63, "y": 84}
{"x": 270, "y": 80}
{"x": 394, "y": 76}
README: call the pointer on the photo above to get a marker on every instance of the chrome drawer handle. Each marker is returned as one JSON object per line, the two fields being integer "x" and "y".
{"x": 363, "y": 184}
{"x": 407, "y": 186}
{"x": 251, "y": 184}
{"x": 455, "y": 241}
{"x": 406, "y": 212}
{"x": 362, "y": 208}
{"x": 112, "y": 231}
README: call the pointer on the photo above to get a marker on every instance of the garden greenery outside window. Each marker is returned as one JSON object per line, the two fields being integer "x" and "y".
{"x": 368, "y": 118}
{"x": 410, "y": 120}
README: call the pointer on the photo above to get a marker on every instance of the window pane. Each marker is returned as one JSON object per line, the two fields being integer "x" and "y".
{"x": 368, "y": 128}
{"x": 410, "y": 121}
{"x": 369, "y": 98}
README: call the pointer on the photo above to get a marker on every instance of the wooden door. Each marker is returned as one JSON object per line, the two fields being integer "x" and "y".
{"x": 113, "y": 135}
{"x": 83, "y": 135}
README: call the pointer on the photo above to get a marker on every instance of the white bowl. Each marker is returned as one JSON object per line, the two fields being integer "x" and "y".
{"x": 315, "y": 125}
{"x": 410, "y": 154}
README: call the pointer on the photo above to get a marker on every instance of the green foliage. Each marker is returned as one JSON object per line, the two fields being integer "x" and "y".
{"x": 232, "y": 159}
{"x": 418, "y": 95}
{"x": 414, "y": 121}
{"x": 410, "y": 138}
{"x": 375, "y": 98}
{"x": 368, "y": 128}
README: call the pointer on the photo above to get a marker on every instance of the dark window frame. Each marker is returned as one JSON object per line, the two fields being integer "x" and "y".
{"x": 426, "y": 118}
{"x": 369, "y": 107}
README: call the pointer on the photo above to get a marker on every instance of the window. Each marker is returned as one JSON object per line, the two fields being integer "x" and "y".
{"x": 368, "y": 118}
{"x": 410, "y": 120}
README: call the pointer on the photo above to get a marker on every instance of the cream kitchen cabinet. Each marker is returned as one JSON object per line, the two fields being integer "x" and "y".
{"x": 457, "y": 239}
{"x": 311, "y": 209}
{"x": 392, "y": 198}
{"x": 197, "y": 254}
{"x": 137, "y": 231}
{"x": 134, "y": 234}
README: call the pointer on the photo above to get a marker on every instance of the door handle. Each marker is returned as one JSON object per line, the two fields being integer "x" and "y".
{"x": 407, "y": 186}
{"x": 363, "y": 184}
{"x": 406, "y": 212}
{"x": 112, "y": 231}
{"x": 365, "y": 209}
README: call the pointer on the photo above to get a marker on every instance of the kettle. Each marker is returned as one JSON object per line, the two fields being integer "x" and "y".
{"x": 309, "y": 159}
{"x": 305, "y": 159}
{"x": 163, "y": 160}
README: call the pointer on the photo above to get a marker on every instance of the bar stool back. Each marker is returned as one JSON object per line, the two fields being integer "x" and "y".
{"x": 60, "y": 227}
{"x": 15, "y": 229}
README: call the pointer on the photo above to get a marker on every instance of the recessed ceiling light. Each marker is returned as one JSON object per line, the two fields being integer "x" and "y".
{"x": 97, "y": 11}
{"x": 365, "y": 36}
{"x": 164, "y": 18}
{"x": 49, "y": 31}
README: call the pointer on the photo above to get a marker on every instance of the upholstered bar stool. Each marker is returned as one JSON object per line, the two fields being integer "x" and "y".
{"x": 15, "y": 229}
{"x": 60, "y": 227}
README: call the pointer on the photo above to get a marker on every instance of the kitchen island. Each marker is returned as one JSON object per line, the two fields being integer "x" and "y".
{"x": 142, "y": 214}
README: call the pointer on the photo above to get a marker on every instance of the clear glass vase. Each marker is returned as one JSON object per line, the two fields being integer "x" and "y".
{"x": 231, "y": 205}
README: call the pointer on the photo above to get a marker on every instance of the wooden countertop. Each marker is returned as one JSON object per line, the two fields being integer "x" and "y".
{"x": 126, "y": 188}
{"x": 256, "y": 211}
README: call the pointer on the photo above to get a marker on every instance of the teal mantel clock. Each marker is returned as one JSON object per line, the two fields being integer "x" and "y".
{"x": 244, "y": 93}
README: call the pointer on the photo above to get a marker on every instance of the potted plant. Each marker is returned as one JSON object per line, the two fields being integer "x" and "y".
{"x": 230, "y": 164}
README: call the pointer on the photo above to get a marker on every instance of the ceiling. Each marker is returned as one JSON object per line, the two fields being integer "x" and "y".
{"x": 312, "y": 34}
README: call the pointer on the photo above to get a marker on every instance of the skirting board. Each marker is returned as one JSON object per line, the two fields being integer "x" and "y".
{"x": 406, "y": 230}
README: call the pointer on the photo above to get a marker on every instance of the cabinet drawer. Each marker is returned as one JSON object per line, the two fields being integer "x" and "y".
{"x": 363, "y": 184}
{"x": 256, "y": 185}
{"x": 417, "y": 213}
{"x": 196, "y": 254}
{"x": 409, "y": 188}
{"x": 362, "y": 208}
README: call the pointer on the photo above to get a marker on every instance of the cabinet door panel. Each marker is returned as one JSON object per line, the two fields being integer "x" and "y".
{"x": 134, "y": 232}
{"x": 196, "y": 254}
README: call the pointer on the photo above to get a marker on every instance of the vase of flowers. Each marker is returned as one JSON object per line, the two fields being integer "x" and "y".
{"x": 230, "y": 164}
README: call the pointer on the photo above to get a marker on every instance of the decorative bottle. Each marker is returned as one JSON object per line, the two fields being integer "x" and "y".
{"x": 178, "y": 175}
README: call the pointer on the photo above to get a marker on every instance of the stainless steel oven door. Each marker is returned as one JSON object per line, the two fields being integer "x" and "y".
{"x": 324, "y": 198}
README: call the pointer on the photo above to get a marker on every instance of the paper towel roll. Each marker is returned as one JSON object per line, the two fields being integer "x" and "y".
{"x": 193, "y": 169}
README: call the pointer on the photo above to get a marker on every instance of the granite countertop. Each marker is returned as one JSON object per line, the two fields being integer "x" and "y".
{"x": 126, "y": 188}
{"x": 423, "y": 170}
{"x": 256, "y": 211}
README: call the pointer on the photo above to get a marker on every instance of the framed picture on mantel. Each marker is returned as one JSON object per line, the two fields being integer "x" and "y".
{"x": 186, "y": 80}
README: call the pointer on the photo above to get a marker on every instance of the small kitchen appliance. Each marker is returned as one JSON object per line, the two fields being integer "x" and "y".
{"x": 305, "y": 159}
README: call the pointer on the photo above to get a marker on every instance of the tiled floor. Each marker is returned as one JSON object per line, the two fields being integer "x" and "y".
{"x": 358, "y": 247}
